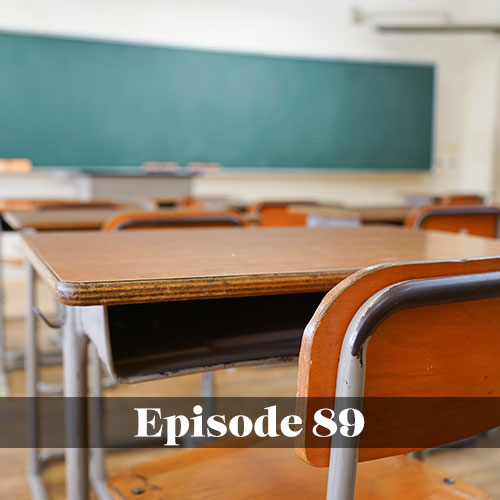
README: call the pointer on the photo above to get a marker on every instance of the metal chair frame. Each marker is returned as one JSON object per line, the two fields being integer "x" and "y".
{"x": 353, "y": 358}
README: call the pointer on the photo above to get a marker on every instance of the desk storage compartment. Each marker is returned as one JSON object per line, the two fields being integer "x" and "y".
{"x": 168, "y": 338}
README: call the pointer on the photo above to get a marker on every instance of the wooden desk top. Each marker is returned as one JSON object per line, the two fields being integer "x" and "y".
{"x": 150, "y": 266}
{"x": 380, "y": 214}
{"x": 24, "y": 204}
{"x": 324, "y": 211}
{"x": 57, "y": 220}
{"x": 377, "y": 214}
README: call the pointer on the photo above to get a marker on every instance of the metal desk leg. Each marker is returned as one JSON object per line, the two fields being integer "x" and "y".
{"x": 75, "y": 418}
{"x": 4, "y": 379}
{"x": 97, "y": 452}
{"x": 207, "y": 385}
{"x": 35, "y": 465}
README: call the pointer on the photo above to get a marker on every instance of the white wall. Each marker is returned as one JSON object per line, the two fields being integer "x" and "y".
{"x": 467, "y": 79}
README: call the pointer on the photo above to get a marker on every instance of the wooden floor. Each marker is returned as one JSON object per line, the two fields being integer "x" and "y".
{"x": 480, "y": 466}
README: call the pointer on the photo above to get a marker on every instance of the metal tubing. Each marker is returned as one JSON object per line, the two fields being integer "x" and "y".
{"x": 55, "y": 324}
{"x": 48, "y": 457}
{"x": 15, "y": 361}
{"x": 37, "y": 487}
{"x": 344, "y": 461}
{"x": 207, "y": 389}
{"x": 4, "y": 379}
{"x": 50, "y": 389}
{"x": 97, "y": 466}
{"x": 352, "y": 362}
{"x": 35, "y": 465}
{"x": 75, "y": 392}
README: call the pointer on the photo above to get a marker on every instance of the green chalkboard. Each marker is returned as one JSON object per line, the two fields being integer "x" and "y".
{"x": 66, "y": 102}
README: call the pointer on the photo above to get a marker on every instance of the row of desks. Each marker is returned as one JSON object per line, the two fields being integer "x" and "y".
{"x": 60, "y": 220}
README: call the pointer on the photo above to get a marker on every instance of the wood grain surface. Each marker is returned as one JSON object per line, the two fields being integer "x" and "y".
{"x": 478, "y": 220}
{"x": 378, "y": 214}
{"x": 324, "y": 211}
{"x": 262, "y": 474}
{"x": 440, "y": 352}
{"x": 150, "y": 266}
{"x": 57, "y": 220}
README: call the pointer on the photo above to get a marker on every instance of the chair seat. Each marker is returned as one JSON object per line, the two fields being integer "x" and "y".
{"x": 258, "y": 474}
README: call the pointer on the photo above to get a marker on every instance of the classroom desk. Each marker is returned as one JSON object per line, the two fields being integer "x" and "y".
{"x": 324, "y": 216}
{"x": 28, "y": 217}
{"x": 382, "y": 214}
{"x": 25, "y": 213}
{"x": 139, "y": 298}
{"x": 376, "y": 214}
{"x": 416, "y": 198}
{"x": 57, "y": 220}
{"x": 183, "y": 201}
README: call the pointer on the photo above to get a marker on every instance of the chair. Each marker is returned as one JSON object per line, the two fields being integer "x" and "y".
{"x": 172, "y": 220}
{"x": 276, "y": 213}
{"x": 318, "y": 216}
{"x": 478, "y": 220}
{"x": 434, "y": 333}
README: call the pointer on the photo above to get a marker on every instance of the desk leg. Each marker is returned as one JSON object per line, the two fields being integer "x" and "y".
{"x": 207, "y": 385}
{"x": 97, "y": 452}
{"x": 35, "y": 465}
{"x": 75, "y": 392}
{"x": 4, "y": 379}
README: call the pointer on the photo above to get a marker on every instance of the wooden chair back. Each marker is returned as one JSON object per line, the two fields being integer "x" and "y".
{"x": 173, "y": 220}
{"x": 442, "y": 350}
{"x": 477, "y": 220}
{"x": 277, "y": 213}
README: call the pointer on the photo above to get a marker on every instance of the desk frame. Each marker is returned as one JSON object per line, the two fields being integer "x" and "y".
{"x": 4, "y": 378}
{"x": 86, "y": 327}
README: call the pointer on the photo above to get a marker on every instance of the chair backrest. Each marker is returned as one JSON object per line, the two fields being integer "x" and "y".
{"x": 462, "y": 199}
{"x": 276, "y": 213}
{"x": 172, "y": 220}
{"x": 478, "y": 220}
{"x": 446, "y": 345}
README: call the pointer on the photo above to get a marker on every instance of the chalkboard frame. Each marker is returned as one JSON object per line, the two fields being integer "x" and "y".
{"x": 299, "y": 58}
